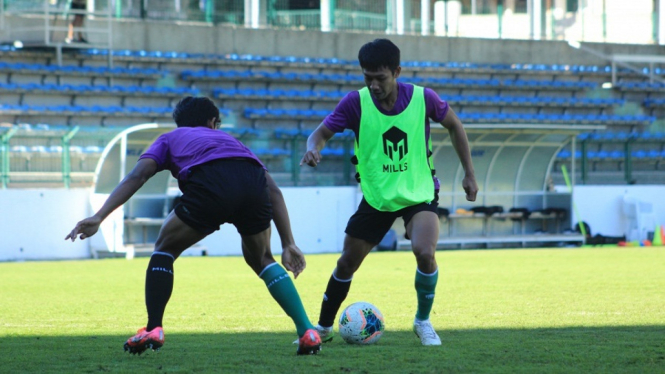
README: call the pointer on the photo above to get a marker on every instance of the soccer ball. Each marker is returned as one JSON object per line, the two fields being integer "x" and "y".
{"x": 361, "y": 323}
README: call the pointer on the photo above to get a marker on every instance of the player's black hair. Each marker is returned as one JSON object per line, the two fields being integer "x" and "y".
{"x": 194, "y": 111}
{"x": 377, "y": 54}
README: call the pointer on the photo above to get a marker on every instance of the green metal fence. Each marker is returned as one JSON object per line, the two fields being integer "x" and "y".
{"x": 214, "y": 11}
{"x": 593, "y": 20}
{"x": 21, "y": 5}
{"x": 358, "y": 20}
{"x": 67, "y": 156}
{"x": 43, "y": 154}
{"x": 300, "y": 19}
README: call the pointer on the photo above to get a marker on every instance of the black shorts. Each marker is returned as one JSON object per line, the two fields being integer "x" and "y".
{"x": 78, "y": 6}
{"x": 372, "y": 225}
{"x": 226, "y": 190}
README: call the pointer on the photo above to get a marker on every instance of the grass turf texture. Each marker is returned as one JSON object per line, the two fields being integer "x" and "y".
{"x": 585, "y": 310}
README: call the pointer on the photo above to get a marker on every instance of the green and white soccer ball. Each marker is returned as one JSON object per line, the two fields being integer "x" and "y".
{"x": 361, "y": 323}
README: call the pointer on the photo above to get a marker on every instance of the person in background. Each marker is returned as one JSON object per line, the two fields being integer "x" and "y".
{"x": 77, "y": 22}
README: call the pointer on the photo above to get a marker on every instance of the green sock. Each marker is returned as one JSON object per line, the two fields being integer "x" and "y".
{"x": 425, "y": 287}
{"x": 283, "y": 290}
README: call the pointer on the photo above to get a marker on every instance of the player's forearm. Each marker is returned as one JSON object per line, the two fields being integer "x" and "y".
{"x": 318, "y": 139}
{"x": 280, "y": 214}
{"x": 316, "y": 142}
{"x": 125, "y": 190}
{"x": 461, "y": 144}
{"x": 281, "y": 217}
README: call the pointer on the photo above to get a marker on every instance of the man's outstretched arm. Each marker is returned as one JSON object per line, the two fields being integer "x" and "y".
{"x": 461, "y": 144}
{"x": 144, "y": 170}
{"x": 292, "y": 257}
{"x": 315, "y": 143}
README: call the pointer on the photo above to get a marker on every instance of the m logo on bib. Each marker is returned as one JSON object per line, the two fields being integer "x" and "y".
{"x": 395, "y": 143}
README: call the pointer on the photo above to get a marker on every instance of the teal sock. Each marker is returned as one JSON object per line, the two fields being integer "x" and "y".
{"x": 283, "y": 290}
{"x": 425, "y": 287}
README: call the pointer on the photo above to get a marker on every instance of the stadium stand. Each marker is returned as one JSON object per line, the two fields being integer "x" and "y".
{"x": 269, "y": 92}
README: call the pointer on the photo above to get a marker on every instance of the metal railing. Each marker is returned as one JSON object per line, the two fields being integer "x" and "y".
{"x": 305, "y": 19}
{"x": 45, "y": 23}
{"x": 344, "y": 20}
{"x": 613, "y": 21}
{"x": 65, "y": 156}
{"x": 354, "y": 20}
{"x": 55, "y": 155}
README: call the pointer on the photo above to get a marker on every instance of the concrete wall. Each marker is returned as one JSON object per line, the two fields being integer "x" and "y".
{"x": 154, "y": 35}
{"x": 33, "y": 223}
{"x": 221, "y": 39}
{"x": 601, "y": 206}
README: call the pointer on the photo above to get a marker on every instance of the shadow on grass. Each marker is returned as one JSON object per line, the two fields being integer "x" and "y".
{"x": 629, "y": 349}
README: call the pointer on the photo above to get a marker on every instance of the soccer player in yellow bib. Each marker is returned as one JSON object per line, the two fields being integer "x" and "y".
{"x": 391, "y": 122}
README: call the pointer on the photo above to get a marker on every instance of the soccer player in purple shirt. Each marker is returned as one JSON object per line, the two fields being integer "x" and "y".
{"x": 222, "y": 181}
{"x": 391, "y": 123}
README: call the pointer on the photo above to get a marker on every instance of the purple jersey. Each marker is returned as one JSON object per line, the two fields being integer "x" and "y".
{"x": 185, "y": 147}
{"x": 347, "y": 113}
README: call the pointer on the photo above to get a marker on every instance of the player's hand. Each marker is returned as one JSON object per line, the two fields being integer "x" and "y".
{"x": 470, "y": 187}
{"x": 311, "y": 158}
{"x": 293, "y": 260}
{"x": 86, "y": 228}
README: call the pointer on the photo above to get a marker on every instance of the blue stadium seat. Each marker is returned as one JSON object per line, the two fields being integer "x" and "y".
{"x": 616, "y": 155}
{"x": 286, "y": 133}
{"x": 272, "y": 152}
{"x": 321, "y": 113}
{"x": 332, "y": 152}
{"x": 292, "y": 93}
{"x": 281, "y": 152}
{"x": 622, "y": 135}
{"x": 91, "y": 149}
{"x": 225, "y": 91}
{"x": 38, "y": 149}
{"x": 609, "y": 135}
{"x": 102, "y": 109}
{"x": 584, "y": 136}
{"x": 651, "y": 136}
{"x": 653, "y": 153}
{"x": 255, "y": 113}
{"x": 140, "y": 110}
{"x": 306, "y": 132}
{"x": 19, "y": 149}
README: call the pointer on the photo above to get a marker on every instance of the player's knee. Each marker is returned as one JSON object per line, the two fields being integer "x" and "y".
{"x": 424, "y": 255}
{"x": 267, "y": 259}
{"x": 345, "y": 268}
{"x": 162, "y": 245}
{"x": 254, "y": 263}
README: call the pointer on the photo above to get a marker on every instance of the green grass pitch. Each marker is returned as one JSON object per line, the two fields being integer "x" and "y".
{"x": 589, "y": 310}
